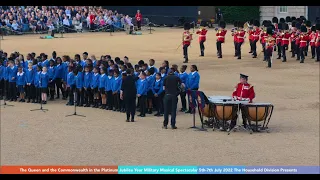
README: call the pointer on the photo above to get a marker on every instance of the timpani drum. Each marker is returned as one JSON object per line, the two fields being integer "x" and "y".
{"x": 258, "y": 115}
{"x": 225, "y": 111}
{"x": 208, "y": 110}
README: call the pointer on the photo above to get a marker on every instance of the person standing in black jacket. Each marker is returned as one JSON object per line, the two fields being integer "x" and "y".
{"x": 128, "y": 95}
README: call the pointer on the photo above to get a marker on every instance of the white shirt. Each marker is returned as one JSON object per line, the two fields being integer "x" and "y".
{"x": 20, "y": 74}
{"x": 66, "y": 22}
{"x": 193, "y": 72}
{"x": 15, "y": 26}
{"x": 103, "y": 75}
{"x": 158, "y": 80}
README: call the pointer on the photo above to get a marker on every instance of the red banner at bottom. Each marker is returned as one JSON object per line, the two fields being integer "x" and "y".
{"x": 59, "y": 170}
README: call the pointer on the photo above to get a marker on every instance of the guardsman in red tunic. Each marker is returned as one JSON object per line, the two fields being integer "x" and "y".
{"x": 221, "y": 33}
{"x": 304, "y": 37}
{"x": 240, "y": 38}
{"x": 317, "y": 44}
{"x": 186, "y": 41}
{"x": 202, "y": 32}
{"x": 256, "y": 34}
{"x": 312, "y": 38}
{"x": 279, "y": 35}
{"x": 233, "y": 32}
{"x": 298, "y": 26}
{"x": 292, "y": 38}
{"x": 243, "y": 92}
{"x": 275, "y": 22}
{"x": 285, "y": 41}
{"x": 270, "y": 43}
{"x": 251, "y": 32}
{"x": 308, "y": 25}
{"x": 263, "y": 38}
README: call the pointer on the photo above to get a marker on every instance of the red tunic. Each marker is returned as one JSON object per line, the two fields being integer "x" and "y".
{"x": 91, "y": 17}
{"x": 138, "y": 16}
{"x": 256, "y": 34}
{"x": 187, "y": 37}
{"x": 251, "y": 33}
{"x": 279, "y": 38}
{"x": 297, "y": 38}
{"x": 318, "y": 39}
{"x": 312, "y": 38}
{"x": 270, "y": 41}
{"x": 285, "y": 39}
{"x": 221, "y": 35}
{"x": 235, "y": 39}
{"x": 293, "y": 36}
{"x": 264, "y": 35}
{"x": 240, "y": 36}
{"x": 202, "y": 34}
{"x": 244, "y": 91}
{"x": 304, "y": 40}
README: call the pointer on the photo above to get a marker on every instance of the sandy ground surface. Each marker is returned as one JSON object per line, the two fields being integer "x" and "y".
{"x": 104, "y": 138}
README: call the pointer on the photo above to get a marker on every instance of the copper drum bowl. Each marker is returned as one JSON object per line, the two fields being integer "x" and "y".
{"x": 208, "y": 108}
{"x": 225, "y": 110}
{"x": 257, "y": 111}
{"x": 207, "y": 112}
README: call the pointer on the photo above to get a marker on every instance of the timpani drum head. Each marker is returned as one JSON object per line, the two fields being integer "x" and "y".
{"x": 219, "y": 98}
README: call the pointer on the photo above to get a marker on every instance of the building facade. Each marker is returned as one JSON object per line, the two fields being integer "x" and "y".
{"x": 268, "y": 12}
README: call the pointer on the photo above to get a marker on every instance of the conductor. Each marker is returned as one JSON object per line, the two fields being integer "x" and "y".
{"x": 128, "y": 95}
{"x": 170, "y": 86}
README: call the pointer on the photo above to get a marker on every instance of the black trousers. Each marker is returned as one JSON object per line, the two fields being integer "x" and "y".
{"x": 12, "y": 91}
{"x": 72, "y": 89}
{"x": 30, "y": 91}
{"x": 38, "y": 94}
{"x": 116, "y": 101}
{"x": 239, "y": 49}
{"x": 219, "y": 49}
{"x": 202, "y": 48}
{"x": 189, "y": 98}
{"x": 88, "y": 97}
{"x": 269, "y": 52}
{"x": 302, "y": 51}
{"x": 6, "y": 89}
{"x": 254, "y": 48}
{"x": 185, "y": 51}
{"x": 2, "y": 88}
{"x": 139, "y": 25}
{"x": 264, "y": 51}
{"x": 159, "y": 103}
{"x": 307, "y": 49}
{"x": 279, "y": 49}
{"x": 298, "y": 51}
{"x": 293, "y": 48}
{"x": 313, "y": 51}
{"x": 143, "y": 103}
{"x": 318, "y": 53}
{"x": 80, "y": 96}
{"x": 170, "y": 100}
{"x": 51, "y": 87}
{"x": 250, "y": 42}
{"x": 183, "y": 100}
{"x": 284, "y": 48}
{"x": 110, "y": 99}
{"x": 58, "y": 82}
{"x": 130, "y": 105}
{"x": 235, "y": 48}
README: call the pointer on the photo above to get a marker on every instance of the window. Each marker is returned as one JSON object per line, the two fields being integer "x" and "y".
{"x": 283, "y": 9}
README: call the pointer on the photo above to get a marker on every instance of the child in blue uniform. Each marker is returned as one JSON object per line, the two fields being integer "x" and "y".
{"x": 163, "y": 72}
{"x": 193, "y": 81}
{"x": 87, "y": 85}
{"x": 45, "y": 61}
{"x": 79, "y": 84}
{"x": 71, "y": 83}
{"x": 116, "y": 86}
{"x": 58, "y": 76}
{"x": 51, "y": 74}
{"x": 21, "y": 83}
{"x": 102, "y": 87}
{"x": 108, "y": 88}
{"x": 142, "y": 88}
{"x": 136, "y": 71}
{"x": 30, "y": 90}
{"x": 157, "y": 90}
{"x": 151, "y": 65}
{"x": 95, "y": 86}
{"x": 37, "y": 84}
{"x": 150, "y": 79}
{"x": 176, "y": 71}
{"x": 12, "y": 78}
{"x": 183, "y": 77}
{"x": 2, "y": 74}
{"x": 44, "y": 81}
{"x": 6, "y": 80}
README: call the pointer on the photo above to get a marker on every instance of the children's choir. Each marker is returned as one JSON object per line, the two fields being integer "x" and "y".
{"x": 89, "y": 82}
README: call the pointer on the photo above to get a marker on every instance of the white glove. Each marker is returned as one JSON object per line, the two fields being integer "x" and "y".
{"x": 246, "y": 99}
{"x": 235, "y": 98}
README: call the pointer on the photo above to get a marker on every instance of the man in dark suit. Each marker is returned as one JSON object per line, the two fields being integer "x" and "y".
{"x": 128, "y": 94}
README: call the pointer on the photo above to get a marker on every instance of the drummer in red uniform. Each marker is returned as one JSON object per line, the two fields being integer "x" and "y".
{"x": 243, "y": 90}
{"x": 279, "y": 36}
{"x": 256, "y": 33}
{"x": 186, "y": 41}
{"x": 202, "y": 32}
{"x": 240, "y": 38}
{"x": 221, "y": 33}
{"x": 304, "y": 38}
{"x": 263, "y": 38}
{"x": 234, "y": 31}
{"x": 312, "y": 38}
{"x": 285, "y": 41}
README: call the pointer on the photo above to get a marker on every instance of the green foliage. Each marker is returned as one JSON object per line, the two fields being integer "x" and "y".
{"x": 239, "y": 13}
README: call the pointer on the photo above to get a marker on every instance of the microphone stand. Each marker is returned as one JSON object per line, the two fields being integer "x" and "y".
{"x": 4, "y": 99}
{"x": 41, "y": 108}
{"x": 75, "y": 106}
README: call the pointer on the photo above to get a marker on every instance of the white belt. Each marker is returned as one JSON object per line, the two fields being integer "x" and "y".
{"x": 278, "y": 38}
{"x": 255, "y": 35}
{"x": 240, "y": 37}
{"x": 220, "y": 36}
{"x": 285, "y": 39}
{"x": 303, "y": 41}
{"x": 202, "y": 35}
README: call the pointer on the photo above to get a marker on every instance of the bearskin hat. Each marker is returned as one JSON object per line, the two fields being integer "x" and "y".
{"x": 318, "y": 27}
{"x": 282, "y": 20}
{"x": 302, "y": 18}
{"x": 251, "y": 22}
{"x": 270, "y": 30}
{"x": 240, "y": 24}
{"x": 298, "y": 25}
{"x": 293, "y": 18}
{"x": 222, "y": 24}
{"x": 264, "y": 23}
{"x": 285, "y": 26}
{"x": 280, "y": 26}
{"x": 275, "y": 20}
{"x": 303, "y": 28}
{"x": 313, "y": 28}
{"x": 308, "y": 23}
{"x": 288, "y": 19}
{"x": 186, "y": 26}
{"x": 256, "y": 23}
{"x": 293, "y": 24}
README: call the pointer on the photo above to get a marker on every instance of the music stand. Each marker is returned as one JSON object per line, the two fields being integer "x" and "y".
{"x": 75, "y": 106}
{"x": 4, "y": 99}
{"x": 192, "y": 94}
{"x": 41, "y": 107}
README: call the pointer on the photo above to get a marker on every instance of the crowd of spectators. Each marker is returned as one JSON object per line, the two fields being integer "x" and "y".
{"x": 38, "y": 19}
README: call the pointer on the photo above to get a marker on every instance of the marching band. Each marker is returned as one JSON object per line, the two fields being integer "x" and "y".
{"x": 275, "y": 35}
